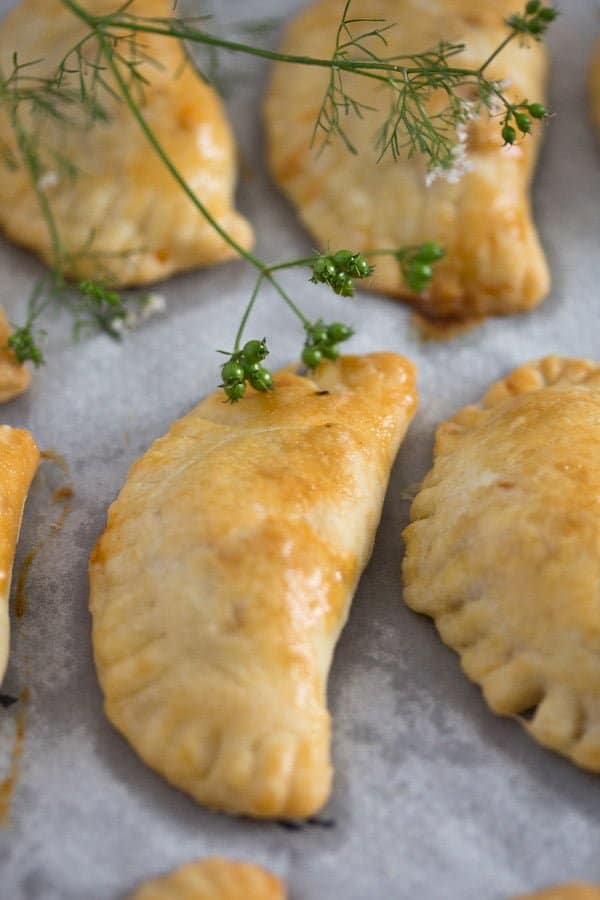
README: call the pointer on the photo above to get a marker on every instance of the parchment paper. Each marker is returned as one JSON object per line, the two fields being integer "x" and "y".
{"x": 434, "y": 797}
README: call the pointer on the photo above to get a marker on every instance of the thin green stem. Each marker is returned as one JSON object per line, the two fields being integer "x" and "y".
{"x": 497, "y": 51}
{"x": 293, "y": 263}
{"x": 287, "y": 299}
{"x": 366, "y": 67}
{"x": 165, "y": 159}
{"x": 247, "y": 312}
{"x": 31, "y": 165}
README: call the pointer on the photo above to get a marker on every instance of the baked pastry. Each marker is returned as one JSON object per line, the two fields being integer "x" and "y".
{"x": 595, "y": 86}
{"x": 225, "y": 574}
{"x": 213, "y": 879}
{"x": 19, "y": 458}
{"x": 504, "y": 549}
{"x": 575, "y": 890}
{"x": 494, "y": 263}
{"x": 14, "y": 376}
{"x": 123, "y": 218}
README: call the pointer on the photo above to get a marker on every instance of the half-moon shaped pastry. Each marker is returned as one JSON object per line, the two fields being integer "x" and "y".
{"x": 574, "y": 890}
{"x": 594, "y": 81}
{"x": 122, "y": 218}
{"x": 19, "y": 458}
{"x": 213, "y": 879}
{"x": 225, "y": 574}
{"x": 494, "y": 263}
{"x": 504, "y": 549}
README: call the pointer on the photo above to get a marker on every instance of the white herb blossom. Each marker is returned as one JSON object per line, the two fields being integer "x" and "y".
{"x": 48, "y": 180}
{"x": 149, "y": 305}
{"x": 460, "y": 163}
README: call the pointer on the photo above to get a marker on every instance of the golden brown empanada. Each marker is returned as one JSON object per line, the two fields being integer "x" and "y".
{"x": 594, "y": 81}
{"x": 19, "y": 458}
{"x": 494, "y": 263}
{"x": 575, "y": 890}
{"x": 504, "y": 549}
{"x": 214, "y": 879}
{"x": 225, "y": 574}
{"x": 123, "y": 218}
{"x": 14, "y": 376}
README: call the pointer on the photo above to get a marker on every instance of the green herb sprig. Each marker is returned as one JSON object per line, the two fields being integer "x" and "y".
{"x": 114, "y": 68}
{"x": 409, "y": 82}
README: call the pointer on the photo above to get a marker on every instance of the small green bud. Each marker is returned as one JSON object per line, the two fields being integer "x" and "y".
{"x": 342, "y": 284}
{"x": 232, "y": 372}
{"x": 360, "y": 266}
{"x": 254, "y": 351}
{"x": 523, "y": 122}
{"x": 430, "y": 251}
{"x": 338, "y": 332}
{"x": 509, "y": 135}
{"x": 331, "y": 351}
{"x": 537, "y": 110}
{"x": 323, "y": 269}
{"x": 261, "y": 379}
{"x": 532, "y": 7}
{"x": 418, "y": 276}
{"x": 318, "y": 333}
{"x": 548, "y": 14}
{"x": 236, "y": 391}
{"x": 536, "y": 27}
{"x": 311, "y": 357}
{"x": 343, "y": 258}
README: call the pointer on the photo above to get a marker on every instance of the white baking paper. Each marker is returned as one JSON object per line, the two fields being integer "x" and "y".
{"x": 434, "y": 797}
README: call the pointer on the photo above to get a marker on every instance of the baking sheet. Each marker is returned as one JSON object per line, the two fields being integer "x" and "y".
{"x": 434, "y": 797}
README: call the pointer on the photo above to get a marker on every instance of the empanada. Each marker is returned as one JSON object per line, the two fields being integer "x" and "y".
{"x": 494, "y": 263}
{"x": 504, "y": 549}
{"x": 225, "y": 574}
{"x": 574, "y": 890}
{"x": 594, "y": 81}
{"x": 122, "y": 218}
{"x": 19, "y": 458}
{"x": 213, "y": 879}
{"x": 14, "y": 376}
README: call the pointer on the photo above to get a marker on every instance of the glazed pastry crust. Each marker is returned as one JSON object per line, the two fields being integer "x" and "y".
{"x": 14, "y": 376}
{"x": 494, "y": 263}
{"x": 575, "y": 890}
{"x": 213, "y": 879}
{"x": 123, "y": 218}
{"x": 225, "y": 574}
{"x": 503, "y": 549}
{"x": 19, "y": 458}
{"x": 594, "y": 81}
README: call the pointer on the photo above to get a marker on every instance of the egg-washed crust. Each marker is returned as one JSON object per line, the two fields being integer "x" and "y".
{"x": 594, "y": 84}
{"x": 19, "y": 458}
{"x": 215, "y": 878}
{"x": 225, "y": 574}
{"x": 14, "y": 376}
{"x": 574, "y": 890}
{"x": 503, "y": 549}
{"x": 494, "y": 263}
{"x": 123, "y": 218}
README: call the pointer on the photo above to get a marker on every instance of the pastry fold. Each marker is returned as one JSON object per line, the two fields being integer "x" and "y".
{"x": 494, "y": 263}
{"x": 225, "y": 574}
